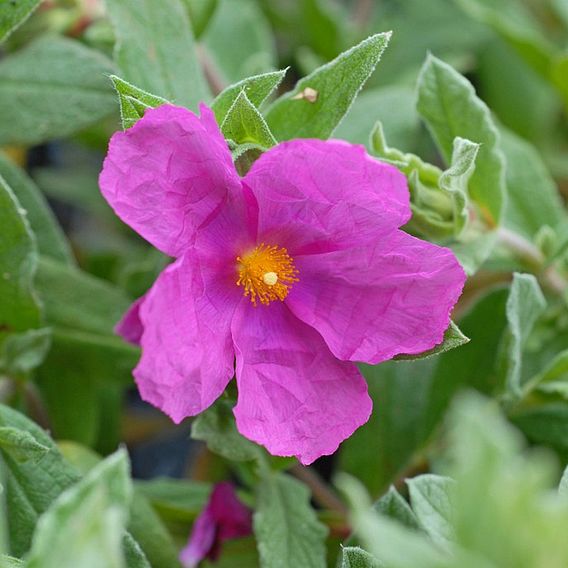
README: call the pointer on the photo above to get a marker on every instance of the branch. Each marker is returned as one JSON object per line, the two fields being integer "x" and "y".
{"x": 322, "y": 493}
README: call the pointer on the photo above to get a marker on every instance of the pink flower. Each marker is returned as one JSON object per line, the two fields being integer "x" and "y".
{"x": 224, "y": 518}
{"x": 296, "y": 271}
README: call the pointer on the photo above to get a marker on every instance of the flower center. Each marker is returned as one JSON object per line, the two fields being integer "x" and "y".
{"x": 266, "y": 273}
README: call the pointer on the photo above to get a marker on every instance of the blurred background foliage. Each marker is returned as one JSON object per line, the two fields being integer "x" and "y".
{"x": 63, "y": 367}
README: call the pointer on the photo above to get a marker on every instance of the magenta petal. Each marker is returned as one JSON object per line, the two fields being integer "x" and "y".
{"x": 315, "y": 195}
{"x": 130, "y": 327}
{"x": 295, "y": 397}
{"x": 224, "y": 518}
{"x": 201, "y": 541}
{"x": 376, "y": 301}
{"x": 234, "y": 519}
{"x": 168, "y": 174}
{"x": 187, "y": 353}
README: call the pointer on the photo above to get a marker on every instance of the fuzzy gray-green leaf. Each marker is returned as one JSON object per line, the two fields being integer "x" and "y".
{"x": 14, "y": 14}
{"x": 52, "y": 88}
{"x": 286, "y": 527}
{"x": 155, "y": 49}
{"x": 257, "y": 88}
{"x": 244, "y": 124}
{"x": 51, "y": 240}
{"x": 295, "y": 115}
{"x": 450, "y": 107}
{"x": 19, "y": 306}
{"x": 133, "y": 101}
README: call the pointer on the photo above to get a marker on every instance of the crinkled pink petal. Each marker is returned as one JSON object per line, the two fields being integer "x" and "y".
{"x": 295, "y": 397}
{"x": 375, "y": 301}
{"x": 317, "y": 196}
{"x": 232, "y": 230}
{"x": 187, "y": 353}
{"x": 130, "y": 327}
{"x": 224, "y": 518}
{"x": 167, "y": 175}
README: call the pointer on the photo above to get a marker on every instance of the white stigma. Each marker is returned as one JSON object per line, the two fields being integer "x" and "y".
{"x": 270, "y": 278}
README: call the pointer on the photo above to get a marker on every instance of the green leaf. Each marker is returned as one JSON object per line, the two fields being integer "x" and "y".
{"x": 524, "y": 305}
{"x": 323, "y": 26}
{"x": 257, "y": 89}
{"x": 553, "y": 378}
{"x": 30, "y": 487}
{"x": 391, "y": 543}
{"x": 51, "y": 240}
{"x": 563, "y": 487}
{"x": 21, "y": 445}
{"x": 432, "y": 502}
{"x": 355, "y": 557}
{"x": 19, "y": 306}
{"x": 13, "y": 14}
{"x": 285, "y": 525}
{"x": 216, "y": 426}
{"x": 451, "y": 109}
{"x": 84, "y": 525}
{"x": 559, "y": 73}
{"x": 561, "y": 8}
{"x": 239, "y": 41}
{"x": 336, "y": 85}
{"x": 145, "y": 525}
{"x": 50, "y": 89}
{"x": 135, "y": 557}
{"x": 455, "y": 179}
{"x": 438, "y": 199}
{"x": 453, "y": 337}
{"x": 133, "y": 101}
{"x": 393, "y": 505}
{"x": 151, "y": 534}
{"x": 175, "y": 499}
{"x": 516, "y": 24}
{"x": 82, "y": 382}
{"x": 501, "y": 491}
{"x": 82, "y": 458}
{"x": 10, "y": 562}
{"x": 436, "y": 26}
{"x": 76, "y": 300}
{"x": 393, "y": 106}
{"x": 155, "y": 49}
{"x": 534, "y": 199}
{"x": 200, "y": 12}
{"x": 244, "y": 124}
{"x": 545, "y": 424}
{"x": 523, "y": 100}
{"x": 22, "y": 352}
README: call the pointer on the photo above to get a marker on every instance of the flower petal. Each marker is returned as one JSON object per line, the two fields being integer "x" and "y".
{"x": 224, "y": 518}
{"x": 315, "y": 195}
{"x": 233, "y": 518}
{"x": 202, "y": 540}
{"x": 187, "y": 353}
{"x": 167, "y": 175}
{"x": 130, "y": 327}
{"x": 375, "y": 301}
{"x": 295, "y": 398}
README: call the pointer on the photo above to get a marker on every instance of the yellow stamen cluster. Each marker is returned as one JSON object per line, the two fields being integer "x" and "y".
{"x": 266, "y": 274}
